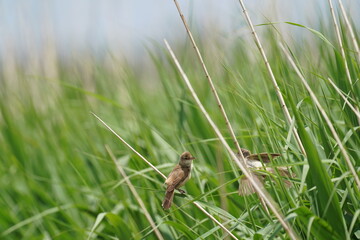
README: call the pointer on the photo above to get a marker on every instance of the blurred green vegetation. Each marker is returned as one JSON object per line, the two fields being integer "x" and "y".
{"x": 56, "y": 177}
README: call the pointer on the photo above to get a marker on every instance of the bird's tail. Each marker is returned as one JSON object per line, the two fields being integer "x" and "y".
{"x": 245, "y": 186}
{"x": 168, "y": 199}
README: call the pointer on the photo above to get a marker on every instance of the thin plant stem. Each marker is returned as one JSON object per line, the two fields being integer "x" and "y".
{"x": 207, "y": 75}
{"x": 161, "y": 174}
{"x": 352, "y": 36}
{"x": 129, "y": 146}
{"x": 325, "y": 116}
{"x": 351, "y": 30}
{"x": 136, "y": 195}
{"x": 357, "y": 113}
{"x": 258, "y": 186}
{"x": 213, "y": 89}
{"x": 272, "y": 76}
{"x": 338, "y": 35}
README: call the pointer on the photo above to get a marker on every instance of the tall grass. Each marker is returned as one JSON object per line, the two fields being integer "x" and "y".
{"x": 58, "y": 180}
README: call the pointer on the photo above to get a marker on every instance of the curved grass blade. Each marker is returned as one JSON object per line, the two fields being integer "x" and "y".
{"x": 318, "y": 227}
{"x": 329, "y": 203}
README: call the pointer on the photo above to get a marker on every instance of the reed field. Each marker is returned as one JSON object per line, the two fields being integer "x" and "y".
{"x": 65, "y": 173}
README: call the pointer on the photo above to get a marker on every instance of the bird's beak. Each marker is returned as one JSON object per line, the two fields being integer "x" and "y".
{"x": 192, "y": 158}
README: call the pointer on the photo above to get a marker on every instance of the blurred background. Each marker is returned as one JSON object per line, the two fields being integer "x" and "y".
{"x": 32, "y": 29}
{"x": 61, "y": 60}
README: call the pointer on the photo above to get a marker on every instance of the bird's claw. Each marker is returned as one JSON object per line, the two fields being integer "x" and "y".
{"x": 181, "y": 191}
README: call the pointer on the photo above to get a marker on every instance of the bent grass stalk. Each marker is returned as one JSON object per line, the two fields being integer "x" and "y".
{"x": 338, "y": 35}
{"x": 353, "y": 38}
{"x": 240, "y": 162}
{"x": 352, "y": 35}
{"x": 213, "y": 89}
{"x": 136, "y": 195}
{"x": 323, "y": 113}
{"x": 207, "y": 75}
{"x": 161, "y": 174}
{"x": 272, "y": 76}
{"x": 357, "y": 113}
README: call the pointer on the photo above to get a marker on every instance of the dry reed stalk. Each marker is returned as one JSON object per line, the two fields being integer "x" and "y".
{"x": 323, "y": 113}
{"x": 136, "y": 195}
{"x": 273, "y": 79}
{"x": 213, "y": 89}
{"x": 338, "y": 35}
{"x": 351, "y": 30}
{"x": 256, "y": 183}
{"x": 353, "y": 38}
{"x": 161, "y": 174}
{"x": 357, "y": 113}
{"x": 207, "y": 75}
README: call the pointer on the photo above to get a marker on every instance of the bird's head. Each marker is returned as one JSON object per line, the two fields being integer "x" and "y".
{"x": 186, "y": 159}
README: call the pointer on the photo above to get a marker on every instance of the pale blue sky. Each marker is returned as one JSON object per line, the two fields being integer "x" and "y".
{"x": 127, "y": 25}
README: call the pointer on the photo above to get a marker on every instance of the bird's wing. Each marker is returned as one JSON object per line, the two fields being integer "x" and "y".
{"x": 175, "y": 177}
{"x": 265, "y": 157}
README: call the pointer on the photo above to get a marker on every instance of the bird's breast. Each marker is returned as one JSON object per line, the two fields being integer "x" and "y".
{"x": 185, "y": 179}
{"x": 254, "y": 164}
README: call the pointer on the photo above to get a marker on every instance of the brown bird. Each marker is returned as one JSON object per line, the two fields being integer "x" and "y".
{"x": 253, "y": 162}
{"x": 177, "y": 178}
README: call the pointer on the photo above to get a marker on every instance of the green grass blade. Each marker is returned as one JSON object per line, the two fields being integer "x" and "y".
{"x": 329, "y": 204}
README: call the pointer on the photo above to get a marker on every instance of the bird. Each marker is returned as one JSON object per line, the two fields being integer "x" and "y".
{"x": 177, "y": 178}
{"x": 256, "y": 162}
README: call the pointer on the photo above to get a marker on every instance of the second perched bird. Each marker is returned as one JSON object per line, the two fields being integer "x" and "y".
{"x": 177, "y": 178}
{"x": 253, "y": 162}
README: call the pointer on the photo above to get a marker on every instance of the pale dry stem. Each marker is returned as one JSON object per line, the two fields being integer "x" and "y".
{"x": 351, "y": 30}
{"x": 273, "y": 79}
{"x": 128, "y": 145}
{"x": 338, "y": 35}
{"x": 161, "y": 174}
{"x": 325, "y": 116}
{"x": 239, "y": 161}
{"x": 213, "y": 89}
{"x": 357, "y": 113}
{"x": 136, "y": 195}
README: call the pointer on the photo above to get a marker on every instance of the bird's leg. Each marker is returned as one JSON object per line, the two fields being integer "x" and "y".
{"x": 181, "y": 191}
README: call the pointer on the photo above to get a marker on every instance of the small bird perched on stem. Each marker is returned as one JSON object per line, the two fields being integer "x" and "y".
{"x": 253, "y": 162}
{"x": 177, "y": 178}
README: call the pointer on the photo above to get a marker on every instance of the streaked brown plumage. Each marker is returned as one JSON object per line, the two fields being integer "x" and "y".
{"x": 177, "y": 178}
{"x": 254, "y": 163}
